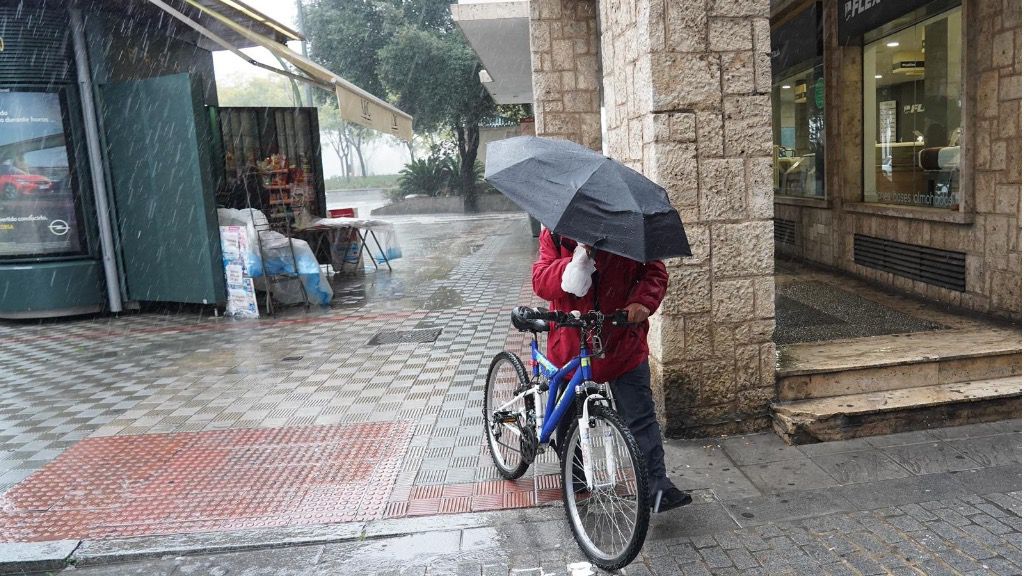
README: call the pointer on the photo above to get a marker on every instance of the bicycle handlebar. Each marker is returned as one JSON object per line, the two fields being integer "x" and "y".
{"x": 577, "y": 320}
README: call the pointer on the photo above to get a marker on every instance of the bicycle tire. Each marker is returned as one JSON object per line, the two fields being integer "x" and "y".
{"x": 615, "y": 559}
{"x": 510, "y": 460}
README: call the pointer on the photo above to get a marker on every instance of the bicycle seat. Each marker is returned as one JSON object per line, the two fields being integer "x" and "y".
{"x": 523, "y": 324}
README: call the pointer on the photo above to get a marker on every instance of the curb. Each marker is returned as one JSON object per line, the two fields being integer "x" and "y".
{"x": 28, "y": 558}
{"x": 101, "y": 552}
{"x": 701, "y": 518}
{"x": 56, "y": 555}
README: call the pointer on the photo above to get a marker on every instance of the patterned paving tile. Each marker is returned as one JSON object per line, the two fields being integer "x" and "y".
{"x": 122, "y": 486}
{"x": 66, "y": 385}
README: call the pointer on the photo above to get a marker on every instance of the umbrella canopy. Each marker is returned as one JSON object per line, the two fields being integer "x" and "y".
{"x": 583, "y": 195}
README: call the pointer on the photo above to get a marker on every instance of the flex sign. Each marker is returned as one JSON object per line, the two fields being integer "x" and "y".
{"x": 356, "y": 108}
{"x": 852, "y": 8}
{"x": 859, "y": 16}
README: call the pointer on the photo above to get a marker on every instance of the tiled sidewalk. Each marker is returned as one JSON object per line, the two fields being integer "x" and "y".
{"x": 155, "y": 374}
{"x": 143, "y": 381}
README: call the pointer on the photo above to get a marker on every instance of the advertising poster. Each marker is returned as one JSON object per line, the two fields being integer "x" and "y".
{"x": 37, "y": 202}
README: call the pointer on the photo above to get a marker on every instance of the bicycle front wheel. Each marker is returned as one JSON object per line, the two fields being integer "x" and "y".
{"x": 609, "y": 520}
{"x": 505, "y": 420}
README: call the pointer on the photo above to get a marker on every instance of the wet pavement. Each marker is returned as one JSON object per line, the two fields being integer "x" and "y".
{"x": 161, "y": 377}
{"x": 945, "y": 501}
{"x": 130, "y": 434}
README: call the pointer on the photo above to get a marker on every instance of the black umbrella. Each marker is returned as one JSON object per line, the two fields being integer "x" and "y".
{"x": 583, "y": 195}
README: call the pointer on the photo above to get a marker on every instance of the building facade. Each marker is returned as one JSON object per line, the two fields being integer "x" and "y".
{"x": 879, "y": 139}
{"x": 897, "y": 145}
{"x": 683, "y": 87}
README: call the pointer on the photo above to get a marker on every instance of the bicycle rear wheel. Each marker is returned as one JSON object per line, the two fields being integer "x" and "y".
{"x": 610, "y": 520}
{"x": 509, "y": 431}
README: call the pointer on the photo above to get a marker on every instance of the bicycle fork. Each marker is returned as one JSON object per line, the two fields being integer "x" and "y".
{"x": 608, "y": 438}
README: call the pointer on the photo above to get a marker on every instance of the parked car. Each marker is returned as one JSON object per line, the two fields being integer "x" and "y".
{"x": 16, "y": 182}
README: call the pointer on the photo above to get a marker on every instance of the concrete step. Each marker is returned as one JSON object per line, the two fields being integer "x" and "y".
{"x": 889, "y": 411}
{"x": 883, "y": 363}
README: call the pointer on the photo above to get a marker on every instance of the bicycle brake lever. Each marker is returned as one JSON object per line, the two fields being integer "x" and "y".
{"x": 598, "y": 345}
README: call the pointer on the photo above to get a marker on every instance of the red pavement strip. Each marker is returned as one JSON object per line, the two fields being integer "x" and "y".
{"x": 159, "y": 484}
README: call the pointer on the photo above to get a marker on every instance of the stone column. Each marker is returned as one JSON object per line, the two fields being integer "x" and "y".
{"x": 687, "y": 101}
{"x": 566, "y": 80}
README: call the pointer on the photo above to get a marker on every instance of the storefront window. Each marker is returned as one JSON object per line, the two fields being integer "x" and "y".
{"x": 913, "y": 113}
{"x": 38, "y": 214}
{"x": 798, "y": 122}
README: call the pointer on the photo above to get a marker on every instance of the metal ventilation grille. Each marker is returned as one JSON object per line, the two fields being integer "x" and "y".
{"x": 942, "y": 268}
{"x": 785, "y": 231}
{"x": 35, "y": 45}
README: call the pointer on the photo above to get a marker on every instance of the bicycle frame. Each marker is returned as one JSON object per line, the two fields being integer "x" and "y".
{"x": 560, "y": 393}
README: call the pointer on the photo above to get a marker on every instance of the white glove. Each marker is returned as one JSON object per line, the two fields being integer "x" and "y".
{"x": 576, "y": 277}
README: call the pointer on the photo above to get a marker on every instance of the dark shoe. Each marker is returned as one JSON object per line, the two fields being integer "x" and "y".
{"x": 669, "y": 498}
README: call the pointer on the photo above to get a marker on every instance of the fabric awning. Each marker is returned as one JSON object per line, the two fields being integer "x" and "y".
{"x": 356, "y": 105}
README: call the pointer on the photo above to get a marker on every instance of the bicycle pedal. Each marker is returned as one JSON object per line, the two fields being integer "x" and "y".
{"x": 506, "y": 418}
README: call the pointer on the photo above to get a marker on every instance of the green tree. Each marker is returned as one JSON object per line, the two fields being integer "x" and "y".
{"x": 436, "y": 77}
{"x": 408, "y": 52}
{"x": 261, "y": 90}
{"x": 346, "y": 35}
{"x": 345, "y": 138}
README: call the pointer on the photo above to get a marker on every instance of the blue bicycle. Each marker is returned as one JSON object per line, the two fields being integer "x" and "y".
{"x": 604, "y": 478}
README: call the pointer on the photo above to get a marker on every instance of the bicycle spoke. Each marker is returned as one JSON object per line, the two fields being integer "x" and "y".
{"x": 505, "y": 412}
{"x": 606, "y": 520}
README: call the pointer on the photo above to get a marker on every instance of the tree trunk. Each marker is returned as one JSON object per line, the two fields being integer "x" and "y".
{"x": 355, "y": 144}
{"x": 469, "y": 141}
{"x": 338, "y": 144}
{"x": 412, "y": 154}
{"x": 359, "y": 154}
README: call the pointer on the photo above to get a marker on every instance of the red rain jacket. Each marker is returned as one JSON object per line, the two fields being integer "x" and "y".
{"x": 621, "y": 282}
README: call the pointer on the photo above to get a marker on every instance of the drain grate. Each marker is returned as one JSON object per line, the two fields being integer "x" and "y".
{"x": 421, "y": 336}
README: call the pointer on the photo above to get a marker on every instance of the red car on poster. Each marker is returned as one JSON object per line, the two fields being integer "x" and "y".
{"x": 16, "y": 182}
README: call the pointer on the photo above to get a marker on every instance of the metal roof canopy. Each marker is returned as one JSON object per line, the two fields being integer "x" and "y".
{"x": 499, "y": 33}
{"x": 250, "y": 18}
{"x": 231, "y": 25}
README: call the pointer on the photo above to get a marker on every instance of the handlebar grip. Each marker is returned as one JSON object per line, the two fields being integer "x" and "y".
{"x": 620, "y": 318}
{"x": 543, "y": 314}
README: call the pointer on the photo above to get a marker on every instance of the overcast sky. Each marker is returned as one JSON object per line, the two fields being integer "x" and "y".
{"x": 231, "y": 68}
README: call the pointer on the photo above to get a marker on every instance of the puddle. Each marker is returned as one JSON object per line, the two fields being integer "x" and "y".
{"x": 442, "y": 299}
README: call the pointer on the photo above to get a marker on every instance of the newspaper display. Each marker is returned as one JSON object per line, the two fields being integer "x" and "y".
{"x": 234, "y": 243}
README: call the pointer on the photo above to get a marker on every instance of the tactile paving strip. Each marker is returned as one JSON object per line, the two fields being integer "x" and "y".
{"x": 123, "y": 486}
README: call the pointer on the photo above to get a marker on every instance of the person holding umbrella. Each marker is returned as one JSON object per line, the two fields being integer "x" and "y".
{"x": 607, "y": 228}
{"x": 617, "y": 283}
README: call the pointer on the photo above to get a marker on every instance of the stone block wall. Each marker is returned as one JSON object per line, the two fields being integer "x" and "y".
{"x": 686, "y": 94}
{"x": 988, "y": 226}
{"x": 566, "y": 81}
{"x": 813, "y": 233}
{"x": 993, "y": 66}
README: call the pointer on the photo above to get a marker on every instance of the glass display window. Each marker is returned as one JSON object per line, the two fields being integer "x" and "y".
{"x": 913, "y": 113}
{"x": 798, "y": 129}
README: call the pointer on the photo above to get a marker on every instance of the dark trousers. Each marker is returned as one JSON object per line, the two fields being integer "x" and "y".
{"x": 635, "y": 404}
